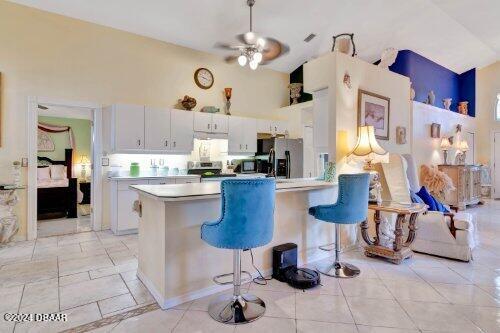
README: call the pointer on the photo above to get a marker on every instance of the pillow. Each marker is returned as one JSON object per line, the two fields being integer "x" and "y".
{"x": 439, "y": 206}
{"x": 415, "y": 198}
{"x": 58, "y": 172}
{"x": 427, "y": 198}
{"x": 43, "y": 173}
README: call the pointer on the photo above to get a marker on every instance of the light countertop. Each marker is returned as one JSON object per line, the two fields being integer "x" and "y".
{"x": 145, "y": 177}
{"x": 196, "y": 191}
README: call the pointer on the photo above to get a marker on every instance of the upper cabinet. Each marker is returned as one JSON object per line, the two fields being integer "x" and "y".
{"x": 210, "y": 122}
{"x": 136, "y": 129}
{"x": 273, "y": 127}
{"x": 242, "y": 135}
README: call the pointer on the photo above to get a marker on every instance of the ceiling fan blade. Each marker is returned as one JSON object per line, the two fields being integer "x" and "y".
{"x": 273, "y": 50}
{"x": 248, "y": 38}
{"x": 226, "y": 46}
{"x": 230, "y": 59}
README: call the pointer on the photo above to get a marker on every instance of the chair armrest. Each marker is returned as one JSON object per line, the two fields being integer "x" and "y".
{"x": 453, "y": 230}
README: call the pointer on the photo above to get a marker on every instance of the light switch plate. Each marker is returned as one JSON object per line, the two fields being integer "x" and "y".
{"x": 24, "y": 162}
{"x": 105, "y": 161}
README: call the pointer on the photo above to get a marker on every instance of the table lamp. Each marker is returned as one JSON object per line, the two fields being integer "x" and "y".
{"x": 464, "y": 147}
{"x": 367, "y": 147}
{"x": 445, "y": 146}
{"x": 84, "y": 161}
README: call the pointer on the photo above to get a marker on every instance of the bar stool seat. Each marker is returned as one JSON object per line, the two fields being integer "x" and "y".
{"x": 246, "y": 222}
{"x": 351, "y": 207}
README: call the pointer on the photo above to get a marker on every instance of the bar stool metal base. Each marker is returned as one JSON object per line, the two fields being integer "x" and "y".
{"x": 242, "y": 309}
{"x": 339, "y": 270}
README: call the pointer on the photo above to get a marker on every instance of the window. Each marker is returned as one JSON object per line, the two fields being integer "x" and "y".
{"x": 497, "y": 112}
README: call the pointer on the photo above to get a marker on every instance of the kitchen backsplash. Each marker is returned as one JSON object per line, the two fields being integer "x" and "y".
{"x": 213, "y": 150}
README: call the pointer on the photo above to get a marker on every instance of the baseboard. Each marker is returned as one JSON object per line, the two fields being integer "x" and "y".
{"x": 167, "y": 303}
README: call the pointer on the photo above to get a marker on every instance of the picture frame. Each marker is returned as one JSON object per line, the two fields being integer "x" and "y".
{"x": 374, "y": 110}
{"x": 435, "y": 130}
{"x": 400, "y": 135}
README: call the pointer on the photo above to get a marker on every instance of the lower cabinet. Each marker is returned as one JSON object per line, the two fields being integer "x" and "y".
{"x": 124, "y": 220}
{"x": 467, "y": 181}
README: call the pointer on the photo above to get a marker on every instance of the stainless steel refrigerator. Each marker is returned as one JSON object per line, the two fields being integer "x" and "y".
{"x": 285, "y": 155}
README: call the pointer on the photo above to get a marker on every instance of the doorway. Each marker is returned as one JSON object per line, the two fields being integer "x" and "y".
{"x": 496, "y": 165}
{"x": 64, "y": 145}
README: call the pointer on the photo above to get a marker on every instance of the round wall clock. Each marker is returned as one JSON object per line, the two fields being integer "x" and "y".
{"x": 203, "y": 78}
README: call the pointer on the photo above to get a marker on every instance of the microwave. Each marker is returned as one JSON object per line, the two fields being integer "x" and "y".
{"x": 247, "y": 166}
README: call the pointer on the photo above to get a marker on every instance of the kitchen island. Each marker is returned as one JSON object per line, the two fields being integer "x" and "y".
{"x": 177, "y": 266}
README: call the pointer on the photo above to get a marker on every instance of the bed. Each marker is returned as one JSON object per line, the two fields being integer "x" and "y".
{"x": 57, "y": 196}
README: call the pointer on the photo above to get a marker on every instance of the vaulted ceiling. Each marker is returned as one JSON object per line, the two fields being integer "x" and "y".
{"x": 458, "y": 34}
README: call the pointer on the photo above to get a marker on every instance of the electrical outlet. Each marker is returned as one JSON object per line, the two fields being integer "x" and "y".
{"x": 24, "y": 162}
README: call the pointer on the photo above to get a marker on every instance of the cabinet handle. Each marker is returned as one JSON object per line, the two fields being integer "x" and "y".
{"x": 246, "y": 147}
{"x": 166, "y": 143}
{"x": 215, "y": 126}
{"x": 208, "y": 126}
{"x": 175, "y": 143}
{"x": 276, "y": 128}
{"x": 139, "y": 142}
{"x": 240, "y": 145}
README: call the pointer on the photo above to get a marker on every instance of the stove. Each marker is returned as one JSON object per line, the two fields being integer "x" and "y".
{"x": 209, "y": 171}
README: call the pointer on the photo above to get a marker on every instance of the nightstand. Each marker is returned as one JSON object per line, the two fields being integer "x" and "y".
{"x": 85, "y": 188}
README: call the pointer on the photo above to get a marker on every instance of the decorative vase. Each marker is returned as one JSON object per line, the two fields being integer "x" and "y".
{"x": 330, "y": 170}
{"x": 431, "y": 98}
{"x": 16, "y": 173}
{"x": 463, "y": 107}
{"x": 227, "y": 95}
{"x": 447, "y": 103}
{"x": 188, "y": 102}
{"x": 412, "y": 93}
{"x": 295, "y": 91}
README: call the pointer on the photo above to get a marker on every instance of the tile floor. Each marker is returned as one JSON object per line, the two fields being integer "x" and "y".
{"x": 63, "y": 226}
{"x": 92, "y": 275}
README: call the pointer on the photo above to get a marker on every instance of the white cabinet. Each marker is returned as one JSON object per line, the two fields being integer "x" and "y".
{"x": 273, "y": 127}
{"x": 157, "y": 129}
{"x": 181, "y": 130}
{"x": 124, "y": 128}
{"x": 210, "y": 123}
{"x": 124, "y": 220}
{"x": 242, "y": 135}
{"x": 137, "y": 129}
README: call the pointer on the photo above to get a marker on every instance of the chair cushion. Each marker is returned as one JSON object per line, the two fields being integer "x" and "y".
{"x": 427, "y": 198}
{"x": 439, "y": 205}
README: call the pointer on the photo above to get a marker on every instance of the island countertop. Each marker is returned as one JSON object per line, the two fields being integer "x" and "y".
{"x": 197, "y": 191}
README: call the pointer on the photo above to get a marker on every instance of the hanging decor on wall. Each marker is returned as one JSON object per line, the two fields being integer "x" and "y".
{"x": 47, "y": 128}
{"x": 347, "y": 80}
{"x": 374, "y": 110}
{"x": 435, "y": 130}
{"x": 45, "y": 142}
{"x": 401, "y": 135}
{"x": 227, "y": 95}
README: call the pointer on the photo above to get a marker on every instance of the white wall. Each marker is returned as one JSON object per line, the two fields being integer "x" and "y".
{"x": 426, "y": 150}
{"x": 328, "y": 71}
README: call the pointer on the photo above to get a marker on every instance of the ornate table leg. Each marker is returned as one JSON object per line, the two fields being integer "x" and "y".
{"x": 412, "y": 226}
{"x": 8, "y": 220}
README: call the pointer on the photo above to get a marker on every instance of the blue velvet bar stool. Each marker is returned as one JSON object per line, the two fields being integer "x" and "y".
{"x": 351, "y": 207}
{"x": 246, "y": 222}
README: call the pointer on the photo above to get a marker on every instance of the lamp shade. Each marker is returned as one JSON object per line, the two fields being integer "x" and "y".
{"x": 367, "y": 144}
{"x": 84, "y": 159}
{"x": 445, "y": 144}
{"x": 464, "y": 146}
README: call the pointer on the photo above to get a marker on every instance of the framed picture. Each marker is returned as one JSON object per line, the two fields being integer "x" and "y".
{"x": 374, "y": 110}
{"x": 435, "y": 130}
{"x": 401, "y": 135}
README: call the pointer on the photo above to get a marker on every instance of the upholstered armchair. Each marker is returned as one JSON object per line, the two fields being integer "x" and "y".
{"x": 441, "y": 234}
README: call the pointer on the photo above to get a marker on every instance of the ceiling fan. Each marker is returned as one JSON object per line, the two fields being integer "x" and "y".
{"x": 254, "y": 49}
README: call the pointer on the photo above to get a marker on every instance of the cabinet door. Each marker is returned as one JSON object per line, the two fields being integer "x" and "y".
{"x": 280, "y": 126}
{"x": 250, "y": 132}
{"x": 235, "y": 135}
{"x": 127, "y": 218}
{"x": 219, "y": 123}
{"x": 157, "y": 128}
{"x": 181, "y": 130}
{"x": 129, "y": 127}
{"x": 187, "y": 180}
{"x": 264, "y": 126}
{"x": 161, "y": 181}
{"x": 202, "y": 122}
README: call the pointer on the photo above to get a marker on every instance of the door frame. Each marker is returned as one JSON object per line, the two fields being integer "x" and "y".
{"x": 96, "y": 168}
{"x": 492, "y": 165}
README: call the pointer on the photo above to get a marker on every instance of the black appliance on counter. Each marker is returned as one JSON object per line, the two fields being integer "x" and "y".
{"x": 285, "y": 268}
{"x": 284, "y": 157}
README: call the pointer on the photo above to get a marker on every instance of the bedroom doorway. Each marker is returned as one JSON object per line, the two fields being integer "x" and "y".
{"x": 64, "y": 144}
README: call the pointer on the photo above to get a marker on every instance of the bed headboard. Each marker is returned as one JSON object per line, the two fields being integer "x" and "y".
{"x": 68, "y": 161}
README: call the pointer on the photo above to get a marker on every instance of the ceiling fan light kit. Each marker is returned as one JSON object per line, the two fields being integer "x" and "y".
{"x": 255, "y": 50}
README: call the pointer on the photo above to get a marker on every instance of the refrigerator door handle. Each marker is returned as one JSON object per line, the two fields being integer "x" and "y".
{"x": 287, "y": 157}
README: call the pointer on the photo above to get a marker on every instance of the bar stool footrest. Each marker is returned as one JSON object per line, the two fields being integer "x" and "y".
{"x": 216, "y": 279}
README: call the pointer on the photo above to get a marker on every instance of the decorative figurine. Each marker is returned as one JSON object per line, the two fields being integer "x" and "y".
{"x": 295, "y": 91}
{"x": 447, "y": 103}
{"x": 463, "y": 107}
{"x": 412, "y": 92}
{"x": 388, "y": 58}
{"x": 227, "y": 95}
{"x": 431, "y": 98}
{"x": 400, "y": 135}
{"x": 188, "y": 102}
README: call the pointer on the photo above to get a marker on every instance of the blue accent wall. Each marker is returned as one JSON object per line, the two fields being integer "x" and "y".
{"x": 427, "y": 75}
